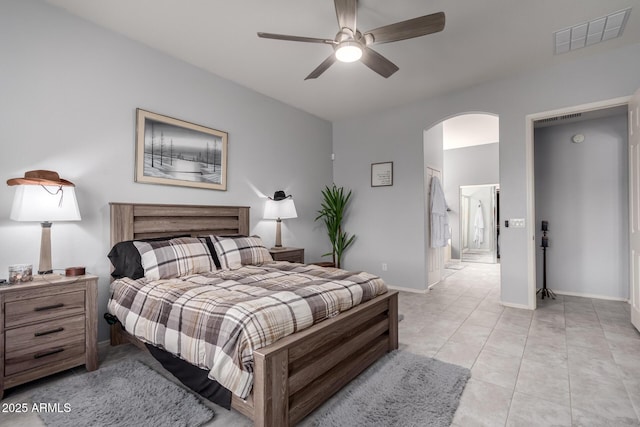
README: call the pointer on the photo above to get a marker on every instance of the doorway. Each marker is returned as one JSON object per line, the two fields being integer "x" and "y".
{"x": 533, "y": 220}
{"x": 465, "y": 148}
{"x": 479, "y": 219}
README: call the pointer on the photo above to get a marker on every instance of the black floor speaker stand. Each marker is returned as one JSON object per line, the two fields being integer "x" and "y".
{"x": 544, "y": 292}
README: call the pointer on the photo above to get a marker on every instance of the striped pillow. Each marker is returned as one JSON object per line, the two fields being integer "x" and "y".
{"x": 234, "y": 252}
{"x": 174, "y": 258}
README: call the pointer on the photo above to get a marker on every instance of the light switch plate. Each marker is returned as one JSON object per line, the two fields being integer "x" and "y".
{"x": 516, "y": 222}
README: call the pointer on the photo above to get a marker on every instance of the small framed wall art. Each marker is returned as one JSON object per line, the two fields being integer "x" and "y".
{"x": 174, "y": 152}
{"x": 382, "y": 174}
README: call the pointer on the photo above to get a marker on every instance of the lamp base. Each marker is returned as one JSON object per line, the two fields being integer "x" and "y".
{"x": 45, "y": 249}
{"x": 278, "y": 233}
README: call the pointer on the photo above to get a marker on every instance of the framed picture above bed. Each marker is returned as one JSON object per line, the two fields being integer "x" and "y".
{"x": 174, "y": 152}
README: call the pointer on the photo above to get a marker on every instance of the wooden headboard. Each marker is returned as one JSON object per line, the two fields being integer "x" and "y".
{"x": 143, "y": 220}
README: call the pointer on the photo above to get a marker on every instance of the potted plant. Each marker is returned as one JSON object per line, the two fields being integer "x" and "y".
{"x": 333, "y": 209}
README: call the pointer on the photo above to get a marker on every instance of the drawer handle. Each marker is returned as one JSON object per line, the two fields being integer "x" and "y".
{"x": 48, "y": 353}
{"x": 49, "y": 307}
{"x": 53, "y": 331}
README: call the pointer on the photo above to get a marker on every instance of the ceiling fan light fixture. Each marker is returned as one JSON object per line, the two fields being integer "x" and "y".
{"x": 348, "y": 51}
{"x": 351, "y": 45}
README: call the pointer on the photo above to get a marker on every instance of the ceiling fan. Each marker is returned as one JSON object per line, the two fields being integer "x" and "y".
{"x": 351, "y": 45}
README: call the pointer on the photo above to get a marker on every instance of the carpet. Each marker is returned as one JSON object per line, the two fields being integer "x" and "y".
{"x": 125, "y": 394}
{"x": 401, "y": 389}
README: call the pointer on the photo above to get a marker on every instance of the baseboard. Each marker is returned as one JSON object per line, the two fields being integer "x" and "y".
{"x": 412, "y": 290}
{"x": 513, "y": 305}
{"x": 594, "y": 296}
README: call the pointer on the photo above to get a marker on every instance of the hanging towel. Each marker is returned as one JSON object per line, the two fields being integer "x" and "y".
{"x": 440, "y": 232}
{"x": 478, "y": 227}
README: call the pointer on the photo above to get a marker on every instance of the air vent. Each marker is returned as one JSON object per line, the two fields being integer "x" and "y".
{"x": 592, "y": 32}
{"x": 620, "y": 110}
{"x": 559, "y": 118}
{"x": 570, "y": 116}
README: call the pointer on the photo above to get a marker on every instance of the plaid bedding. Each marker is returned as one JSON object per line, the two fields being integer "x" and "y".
{"x": 174, "y": 258}
{"x": 216, "y": 320}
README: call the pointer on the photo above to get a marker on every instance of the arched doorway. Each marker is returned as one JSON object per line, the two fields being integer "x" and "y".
{"x": 460, "y": 151}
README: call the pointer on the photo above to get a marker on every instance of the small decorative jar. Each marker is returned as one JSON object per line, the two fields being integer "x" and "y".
{"x": 20, "y": 273}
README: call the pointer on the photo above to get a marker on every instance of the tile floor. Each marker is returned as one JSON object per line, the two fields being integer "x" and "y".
{"x": 574, "y": 361}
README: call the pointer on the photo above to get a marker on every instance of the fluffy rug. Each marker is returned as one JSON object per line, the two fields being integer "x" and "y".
{"x": 126, "y": 394}
{"x": 401, "y": 389}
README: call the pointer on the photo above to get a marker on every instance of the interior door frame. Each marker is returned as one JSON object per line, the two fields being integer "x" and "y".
{"x": 530, "y": 178}
{"x": 465, "y": 204}
{"x": 634, "y": 214}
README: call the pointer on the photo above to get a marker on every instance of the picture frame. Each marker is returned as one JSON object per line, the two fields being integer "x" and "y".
{"x": 382, "y": 174}
{"x": 170, "y": 151}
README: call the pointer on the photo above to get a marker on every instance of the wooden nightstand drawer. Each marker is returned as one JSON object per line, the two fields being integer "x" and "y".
{"x": 42, "y": 336}
{"x": 296, "y": 257}
{"x": 31, "y": 358}
{"x": 43, "y": 308}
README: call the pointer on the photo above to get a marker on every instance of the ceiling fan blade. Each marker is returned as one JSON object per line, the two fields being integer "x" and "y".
{"x": 295, "y": 38}
{"x": 378, "y": 63}
{"x": 346, "y": 12}
{"x": 408, "y": 29}
{"x": 322, "y": 67}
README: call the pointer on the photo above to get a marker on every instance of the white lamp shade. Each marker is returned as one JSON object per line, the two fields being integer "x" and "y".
{"x": 45, "y": 203}
{"x": 280, "y": 209}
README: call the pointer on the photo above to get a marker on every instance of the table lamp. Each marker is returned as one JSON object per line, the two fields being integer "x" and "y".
{"x": 280, "y": 207}
{"x": 44, "y": 197}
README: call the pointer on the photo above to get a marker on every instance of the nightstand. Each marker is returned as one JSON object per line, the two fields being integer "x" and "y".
{"x": 288, "y": 254}
{"x": 47, "y": 326}
{"x": 329, "y": 264}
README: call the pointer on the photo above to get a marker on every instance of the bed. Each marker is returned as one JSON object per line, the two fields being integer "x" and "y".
{"x": 296, "y": 374}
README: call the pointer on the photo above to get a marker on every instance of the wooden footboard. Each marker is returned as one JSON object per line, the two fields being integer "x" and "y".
{"x": 295, "y": 375}
{"x": 300, "y": 372}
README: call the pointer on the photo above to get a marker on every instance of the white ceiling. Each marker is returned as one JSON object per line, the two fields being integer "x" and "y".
{"x": 470, "y": 129}
{"x": 482, "y": 41}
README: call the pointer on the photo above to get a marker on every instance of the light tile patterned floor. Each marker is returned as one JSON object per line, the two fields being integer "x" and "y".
{"x": 574, "y": 361}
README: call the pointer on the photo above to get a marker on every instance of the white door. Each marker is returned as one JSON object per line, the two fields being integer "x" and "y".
{"x": 634, "y": 205}
{"x": 435, "y": 256}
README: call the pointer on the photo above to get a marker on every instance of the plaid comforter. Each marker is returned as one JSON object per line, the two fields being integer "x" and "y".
{"x": 216, "y": 320}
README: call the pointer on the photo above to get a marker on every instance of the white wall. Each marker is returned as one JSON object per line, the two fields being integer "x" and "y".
{"x": 474, "y": 165}
{"x": 389, "y": 224}
{"x": 69, "y": 94}
{"x": 582, "y": 190}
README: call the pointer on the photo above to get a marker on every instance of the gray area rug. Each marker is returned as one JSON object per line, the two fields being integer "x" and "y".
{"x": 126, "y": 394}
{"x": 401, "y": 389}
